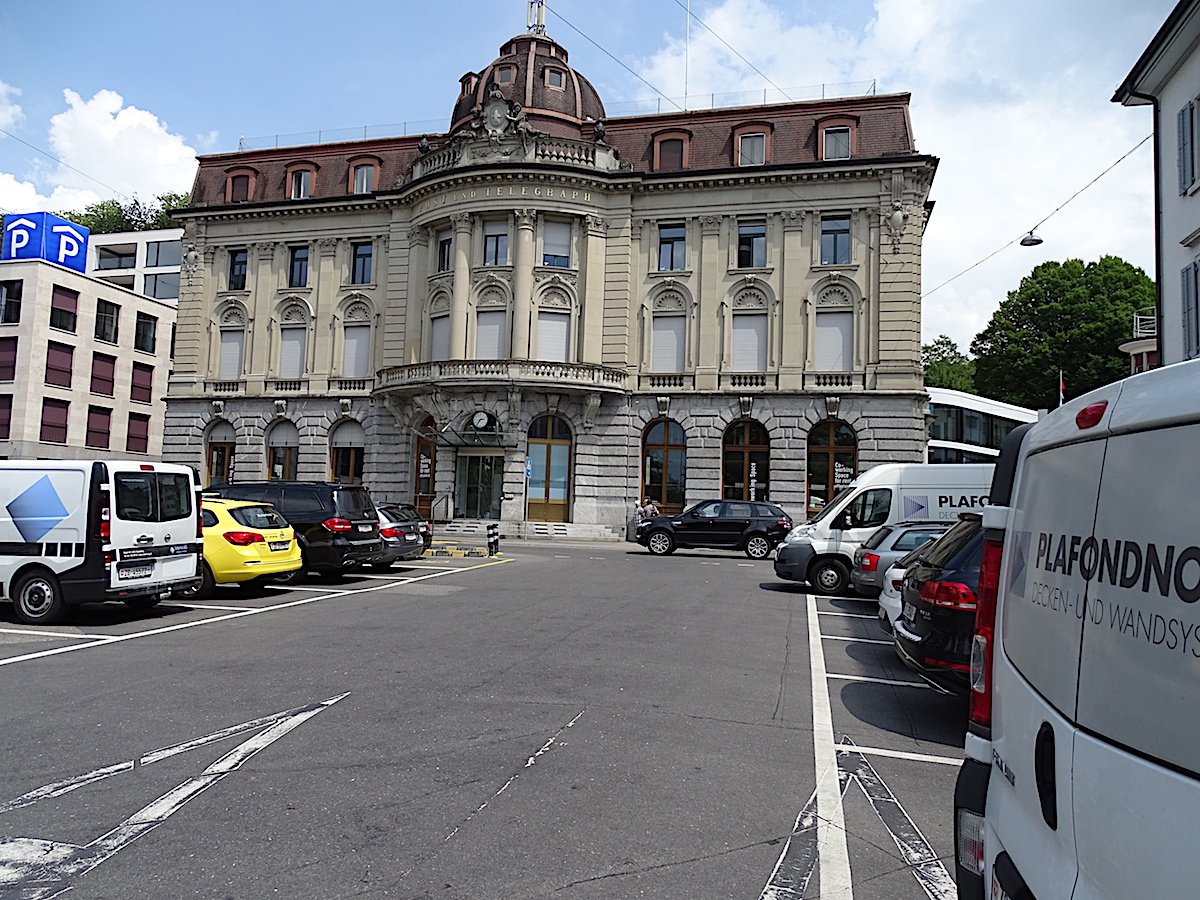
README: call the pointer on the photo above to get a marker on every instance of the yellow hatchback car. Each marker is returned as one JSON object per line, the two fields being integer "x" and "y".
{"x": 244, "y": 541}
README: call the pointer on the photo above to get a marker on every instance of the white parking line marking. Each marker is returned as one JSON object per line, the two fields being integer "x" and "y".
{"x": 855, "y": 640}
{"x": 398, "y": 579}
{"x": 53, "y": 634}
{"x": 912, "y": 757}
{"x": 40, "y": 654}
{"x": 745, "y": 565}
{"x": 424, "y": 566}
{"x": 304, "y": 587}
{"x": 912, "y": 684}
{"x": 843, "y": 615}
{"x": 203, "y": 606}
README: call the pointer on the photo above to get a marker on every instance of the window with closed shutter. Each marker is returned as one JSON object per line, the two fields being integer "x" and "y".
{"x": 439, "y": 338}
{"x": 55, "y": 416}
{"x": 1190, "y": 301}
{"x": 835, "y": 341}
{"x": 232, "y": 344}
{"x": 8, "y": 359}
{"x": 750, "y": 343}
{"x": 669, "y": 334}
{"x": 64, "y": 305}
{"x": 356, "y": 357}
{"x": 99, "y": 422}
{"x": 292, "y": 344}
{"x": 137, "y": 436}
{"x": 489, "y": 334}
{"x": 1187, "y": 159}
{"x": 5, "y": 416}
{"x": 556, "y": 244}
{"x": 60, "y": 360}
{"x": 141, "y": 385}
{"x": 554, "y": 336}
{"x": 104, "y": 374}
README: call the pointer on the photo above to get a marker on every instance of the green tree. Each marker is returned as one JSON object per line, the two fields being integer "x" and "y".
{"x": 946, "y": 366}
{"x": 109, "y": 216}
{"x": 1064, "y": 316}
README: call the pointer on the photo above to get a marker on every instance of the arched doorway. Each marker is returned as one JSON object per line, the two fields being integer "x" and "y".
{"x": 424, "y": 466}
{"x": 664, "y": 465}
{"x": 832, "y": 461}
{"x": 549, "y": 452}
{"x": 347, "y": 444}
{"x": 283, "y": 451}
{"x": 746, "y": 461}
{"x": 219, "y": 456}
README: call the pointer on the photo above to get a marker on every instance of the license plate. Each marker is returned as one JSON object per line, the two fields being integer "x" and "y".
{"x": 910, "y": 612}
{"x": 135, "y": 572}
{"x": 279, "y": 545}
{"x": 364, "y": 527}
{"x": 412, "y": 537}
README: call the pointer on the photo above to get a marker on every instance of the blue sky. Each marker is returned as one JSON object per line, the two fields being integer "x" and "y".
{"x": 1013, "y": 97}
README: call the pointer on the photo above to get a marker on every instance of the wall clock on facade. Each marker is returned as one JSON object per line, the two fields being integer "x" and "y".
{"x": 480, "y": 420}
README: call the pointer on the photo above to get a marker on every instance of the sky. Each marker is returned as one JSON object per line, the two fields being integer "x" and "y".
{"x": 106, "y": 100}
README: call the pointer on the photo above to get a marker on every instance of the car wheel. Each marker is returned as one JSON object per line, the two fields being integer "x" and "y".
{"x": 758, "y": 547}
{"x": 37, "y": 598}
{"x": 204, "y": 588}
{"x": 828, "y": 576}
{"x": 660, "y": 543}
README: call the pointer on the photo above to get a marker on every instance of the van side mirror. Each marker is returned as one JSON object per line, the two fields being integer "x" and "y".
{"x": 844, "y": 522}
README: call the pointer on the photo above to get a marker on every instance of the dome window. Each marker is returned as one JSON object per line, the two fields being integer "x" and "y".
{"x": 505, "y": 74}
{"x": 556, "y": 79}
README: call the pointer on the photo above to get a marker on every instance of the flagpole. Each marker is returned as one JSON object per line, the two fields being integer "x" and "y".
{"x": 1061, "y": 387}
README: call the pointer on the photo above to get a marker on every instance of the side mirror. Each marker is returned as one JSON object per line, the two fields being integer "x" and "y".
{"x": 844, "y": 522}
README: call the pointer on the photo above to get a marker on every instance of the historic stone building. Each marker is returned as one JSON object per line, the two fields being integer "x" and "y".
{"x": 543, "y": 313}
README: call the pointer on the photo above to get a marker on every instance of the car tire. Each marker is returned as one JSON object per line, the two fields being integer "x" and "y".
{"x": 828, "y": 576}
{"x": 660, "y": 543}
{"x": 204, "y": 588}
{"x": 37, "y": 598}
{"x": 758, "y": 547}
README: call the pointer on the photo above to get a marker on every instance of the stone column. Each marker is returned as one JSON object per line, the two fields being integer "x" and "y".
{"x": 523, "y": 282}
{"x": 462, "y": 285}
{"x": 592, "y": 292}
{"x": 262, "y": 279}
{"x": 417, "y": 293}
{"x": 711, "y": 265}
{"x": 326, "y": 284}
{"x": 793, "y": 295}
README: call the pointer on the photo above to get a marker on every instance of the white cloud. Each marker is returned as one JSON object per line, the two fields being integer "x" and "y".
{"x": 10, "y": 113}
{"x": 1014, "y": 100}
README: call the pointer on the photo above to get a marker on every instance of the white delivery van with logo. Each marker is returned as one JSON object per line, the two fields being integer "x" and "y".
{"x": 821, "y": 552}
{"x": 83, "y": 531}
{"x": 1082, "y": 776}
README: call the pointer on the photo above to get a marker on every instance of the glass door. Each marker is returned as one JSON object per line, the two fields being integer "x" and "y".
{"x": 479, "y": 484}
{"x": 549, "y": 451}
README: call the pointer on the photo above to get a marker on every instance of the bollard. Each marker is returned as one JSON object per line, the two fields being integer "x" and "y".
{"x": 493, "y": 538}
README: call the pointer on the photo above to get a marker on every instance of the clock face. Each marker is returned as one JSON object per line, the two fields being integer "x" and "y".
{"x": 480, "y": 420}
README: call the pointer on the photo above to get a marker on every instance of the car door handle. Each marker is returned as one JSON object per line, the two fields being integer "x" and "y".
{"x": 1043, "y": 774}
{"x": 144, "y": 539}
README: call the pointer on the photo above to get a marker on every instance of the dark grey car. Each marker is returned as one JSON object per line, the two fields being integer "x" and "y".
{"x": 887, "y": 545}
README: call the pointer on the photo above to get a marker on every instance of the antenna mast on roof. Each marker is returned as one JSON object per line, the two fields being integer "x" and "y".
{"x": 535, "y": 20}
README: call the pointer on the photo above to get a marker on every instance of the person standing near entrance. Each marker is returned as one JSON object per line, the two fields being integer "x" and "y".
{"x": 649, "y": 510}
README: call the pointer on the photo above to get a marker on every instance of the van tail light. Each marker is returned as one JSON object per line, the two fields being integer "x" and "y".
{"x": 896, "y": 585}
{"x": 390, "y": 532}
{"x": 948, "y": 595}
{"x": 869, "y": 562}
{"x": 199, "y": 517}
{"x": 969, "y": 837}
{"x": 243, "y": 538}
{"x": 104, "y": 522}
{"x": 1090, "y": 416}
{"x": 985, "y": 630}
{"x": 337, "y": 524}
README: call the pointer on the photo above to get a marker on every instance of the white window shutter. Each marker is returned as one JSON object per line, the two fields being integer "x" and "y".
{"x": 835, "y": 342}
{"x": 356, "y": 351}
{"x": 554, "y": 336}
{"x": 292, "y": 344}
{"x": 232, "y": 345}
{"x": 668, "y": 341}
{"x": 489, "y": 334}
{"x": 556, "y": 239}
{"x": 439, "y": 338}
{"x": 750, "y": 343}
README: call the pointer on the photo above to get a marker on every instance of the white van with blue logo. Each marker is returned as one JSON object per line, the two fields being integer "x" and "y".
{"x": 84, "y": 531}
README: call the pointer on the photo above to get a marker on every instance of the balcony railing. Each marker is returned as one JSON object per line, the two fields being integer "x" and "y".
{"x": 749, "y": 381}
{"x": 846, "y": 381}
{"x": 1145, "y": 323}
{"x": 225, "y": 387}
{"x": 287, "y": 385}
{"x": 566, "y": 376}
{"x": 674, "y": 382}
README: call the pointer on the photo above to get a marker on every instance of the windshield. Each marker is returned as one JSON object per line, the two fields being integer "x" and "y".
{"x": 833, "y": 504}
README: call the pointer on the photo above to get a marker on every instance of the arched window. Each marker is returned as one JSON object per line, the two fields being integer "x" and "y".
{"x": 746, "y": 461}
{"x": 832, "y": 461}
{"x": 232, "y": 335}
{"x": 293, "y": 341}
{"x": 219, "y": 453}
{"x": 549, "y": 451}
{"x": 347, "y": 443}
{"x": 664, "y": 465}
{"x": 283, "y": 450}
{"x": 425, "y": 466}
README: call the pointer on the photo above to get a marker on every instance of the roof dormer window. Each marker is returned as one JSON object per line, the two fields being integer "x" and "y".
{"x": 239, "y": 184}
{"x": 838, "y": 137}
{"x": 301, "y": 180}
{"x": 752, "y": 144}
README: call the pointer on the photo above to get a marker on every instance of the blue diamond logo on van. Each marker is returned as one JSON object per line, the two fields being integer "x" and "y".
{"x": 1016, "y": 575}
{"x": 37, "y": 510}
{"x": 914, "y": 506}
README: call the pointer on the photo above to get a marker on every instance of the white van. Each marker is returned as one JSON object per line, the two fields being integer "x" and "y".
{"x": 1082, "y": 775}
{"x": 81, "y": 531}
{"x": 821, "y": 552}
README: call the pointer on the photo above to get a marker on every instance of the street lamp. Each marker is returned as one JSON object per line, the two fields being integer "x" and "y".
{"x": 1030, "y": 240}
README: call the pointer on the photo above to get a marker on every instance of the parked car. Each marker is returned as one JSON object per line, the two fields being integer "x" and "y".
{"x": 751, "y": 526}
{"x": 890, "y": 603}
{"x": 401, "y": 539}
{"x": 406, "y": 512}
{"x": 884, "y": 547}
{"x": 244, "y": 542}
{"x": 336, "y": 524}
{"x": 940, "y": 594}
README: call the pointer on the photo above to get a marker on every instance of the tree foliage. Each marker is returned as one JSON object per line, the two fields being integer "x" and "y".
{"x": 110, "y": 216}
{"x": 1070, "y": 316}
{"x": 946, "y": 366}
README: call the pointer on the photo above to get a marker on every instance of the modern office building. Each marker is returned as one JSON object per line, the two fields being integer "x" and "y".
{"x": 967, "y": 428}
{"x": 147, "y": 262}
{"x": 543, "y": 313}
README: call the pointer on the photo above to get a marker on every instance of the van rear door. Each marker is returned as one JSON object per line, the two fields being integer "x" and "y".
{"x": 152, "y": 515}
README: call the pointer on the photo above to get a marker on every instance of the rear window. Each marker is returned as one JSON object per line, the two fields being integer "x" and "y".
{"x": 300, "y": 501}
{"x": 394, "y": 514}
{"x": 766, "y": 511}
{"x": 354, "y": 504}
{"x": 916, "y": 537}
{"x": 153, "y": 496}
{"x": 878, "y": 538}
{"x": 406, "y": 511}
{"x": 258, "y": 517}
{"x": 945, "y": 548}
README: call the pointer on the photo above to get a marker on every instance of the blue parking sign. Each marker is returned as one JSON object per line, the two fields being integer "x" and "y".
{"x": 45, "y": 236}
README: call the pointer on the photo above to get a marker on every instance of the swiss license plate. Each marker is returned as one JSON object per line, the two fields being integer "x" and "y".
{"x": 910, "y": 612}
{"x": 135, "y": 572}
{"x": 279, "y": 545}
{"x": 364, "y": 527}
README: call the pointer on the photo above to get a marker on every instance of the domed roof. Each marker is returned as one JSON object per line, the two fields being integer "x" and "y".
{"x": 532, "y": 70}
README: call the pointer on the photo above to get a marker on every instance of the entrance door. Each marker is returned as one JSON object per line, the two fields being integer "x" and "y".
{"x": 425, "y": 464}
{"x": 746, "y": 462}
{"x": 549, "y": 450}
{"x": 664, "y": 465}
{"x": 478, "y": 486}
{"x": 832, "y": 462}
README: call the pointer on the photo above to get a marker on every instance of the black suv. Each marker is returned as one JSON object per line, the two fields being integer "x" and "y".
{"x": 336, "y": 524}
{"x": 752, "y": 526}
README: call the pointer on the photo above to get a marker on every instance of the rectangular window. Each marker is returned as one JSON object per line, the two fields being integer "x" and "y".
{"x": 233, "y": 342}
{"x": 237, "y": 270}
{"x": 145, "y": 333}
{"x": 752, "y": 245}
{"x": 835, "y": 240}
{"x": 364, "y": 179}
{"x": 99, "y": 422}
{"x": 141, "y": 383}
{"x": 281, "y": 463}
{"x": 301, "y": 184}
{"x": 55, "y": 416}
{"x": 346, "y": 464}
{"x": 108, "y": 321}
{"x": 5, "y": 416}
{"x": 298, "y": 267}
{"x": 164, "y": 253}
{"x": 8, "y": 358}
{"x": 495, "y": 243}
{"x": 362, "y": 253}
{"x": 104, "y": 374}
{"x": 1190, "y": 301}
{"x": 239, "y": 188}
{"x": 670, "y": 154}
{"x": 439, "y": 338}
{"x": 750, "y": 343}
{"x": 835, "y": 341}
{"x": 293, "y": 344}
{"x": 10, "y": 302}
{"x": 356, "y": 356}
{"x": 669, "y": 334}
{"x": 60, "y": 361}
{"x": 116, "y": 257}
{"x": 672, "y": 242}
{"x": 556, "y": 78}
{"x": 837, "y": 143}
{"x": 752, "y": 149}
{"x": 163, "y": 286}
{"x": 489, "y": 334}
{"x": 554, "y": 336}
{"x": 1186, "y": 126}
{"x": 137, "y": 438}
{"x": 64, "y": 304}
{"x": 445, "y": 247}
{"x": 556, "y": 244}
